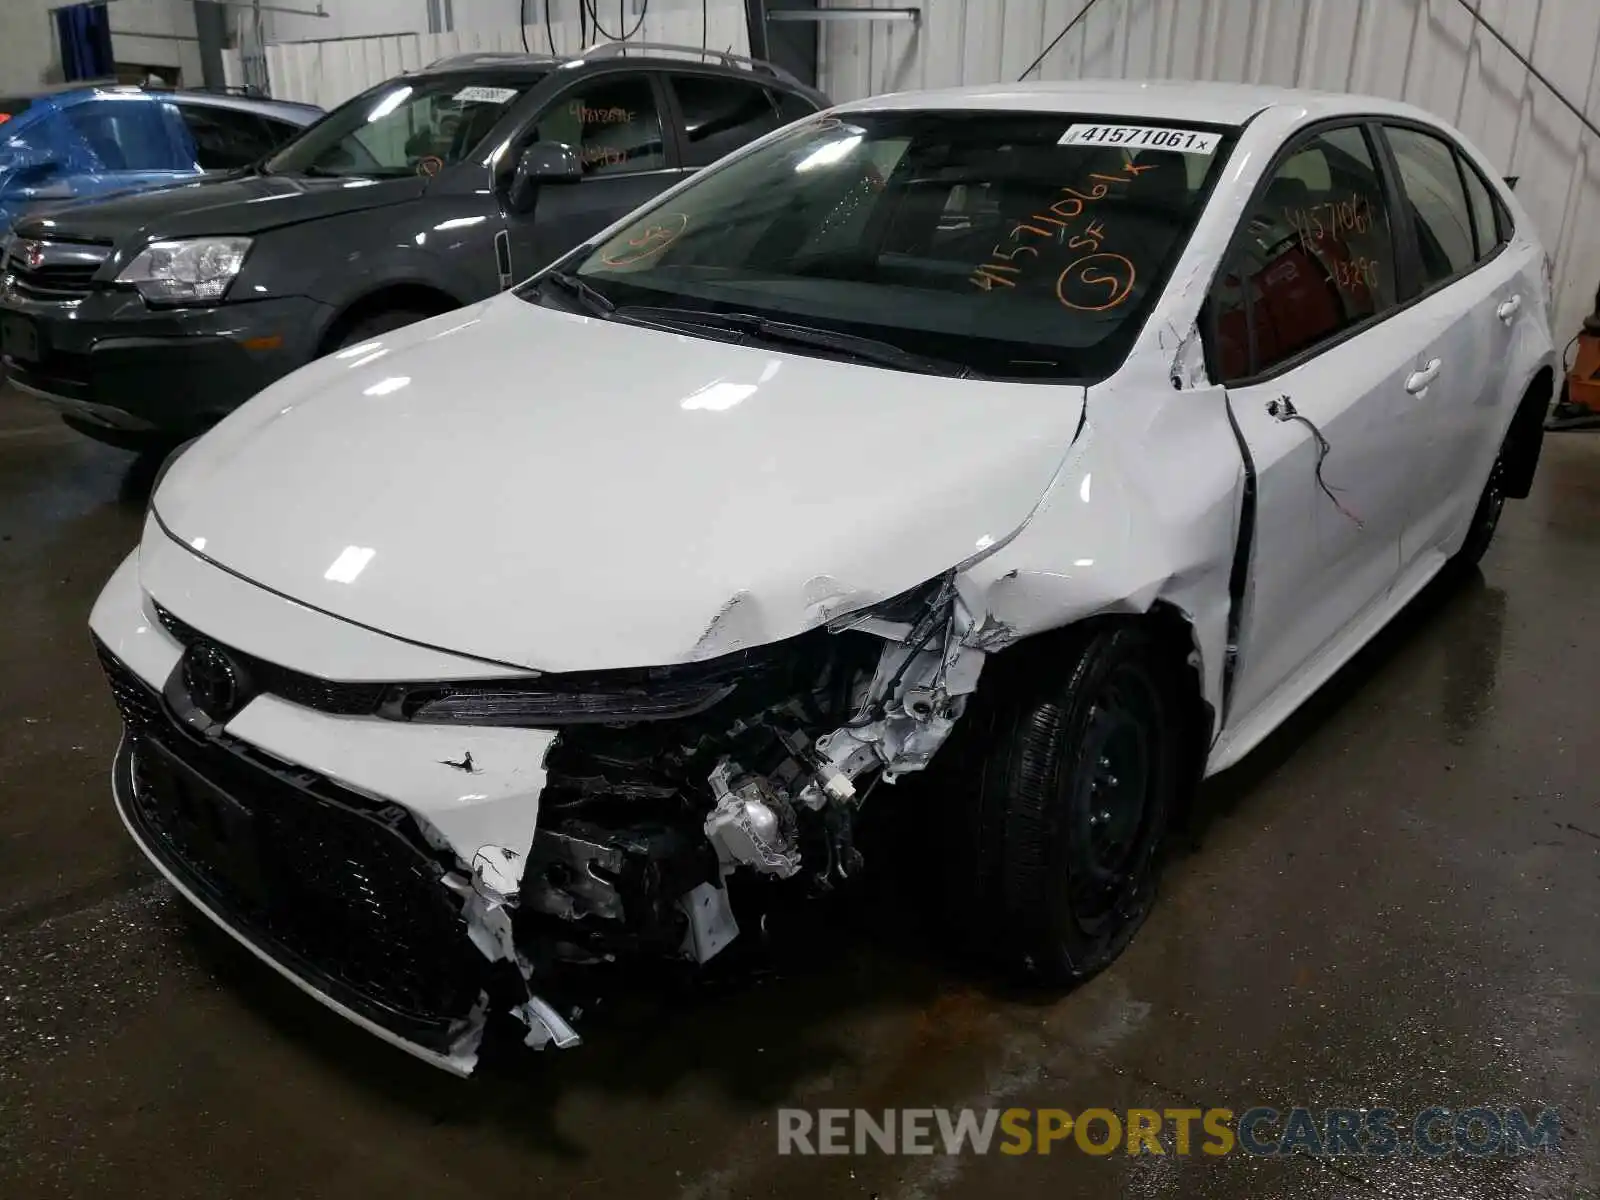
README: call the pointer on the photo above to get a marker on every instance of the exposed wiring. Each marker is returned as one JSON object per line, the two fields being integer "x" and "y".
{"x": 1284, "y": 410}
{"x": 1565, "y": 366}
{"x": 705, "y": 25}
{"x": 522, "y": 23}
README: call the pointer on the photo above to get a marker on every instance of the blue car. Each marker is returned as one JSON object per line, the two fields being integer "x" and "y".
{"x": 94, "y": 140}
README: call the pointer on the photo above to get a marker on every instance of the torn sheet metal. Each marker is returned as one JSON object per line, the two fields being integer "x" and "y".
{"x": 494, "y": 807}
{"x": 1133, "y": 520}
{"x": 487, "y": 914}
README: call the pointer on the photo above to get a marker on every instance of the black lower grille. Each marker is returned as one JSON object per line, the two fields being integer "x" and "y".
{"x": 336, "y": 887}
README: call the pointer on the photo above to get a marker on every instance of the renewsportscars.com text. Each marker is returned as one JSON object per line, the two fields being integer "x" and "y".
{"x": 1434, "y": 1132}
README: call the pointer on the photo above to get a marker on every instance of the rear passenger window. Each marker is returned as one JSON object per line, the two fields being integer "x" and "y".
{"x": 720, "y": 115}
{"x": 1313, "y": 258}
{"x": 1485, "y": 222}
{"x": 224, "y": 138}
{"x": 1437, "y": 201}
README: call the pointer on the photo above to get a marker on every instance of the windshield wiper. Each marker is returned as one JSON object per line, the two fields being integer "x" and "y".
{"x": 587, "y": 296}
{"x": 765, "y": 329}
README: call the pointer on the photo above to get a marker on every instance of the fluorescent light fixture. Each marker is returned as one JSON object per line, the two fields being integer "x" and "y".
{"x": 351, "y": 562}
{"x": 828, "y": 154}
{"x": 388, "y": 104}
{"x": 716, "y": 397}
{"x": 385, "y": 386}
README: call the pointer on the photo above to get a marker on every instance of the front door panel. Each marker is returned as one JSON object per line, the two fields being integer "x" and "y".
{"x": 1316, "y": 355}
{"x": 565, "y": 214}
{"x": 1322, "y": 551}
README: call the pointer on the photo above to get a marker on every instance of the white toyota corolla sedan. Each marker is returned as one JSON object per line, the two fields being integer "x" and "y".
{"x": 1054, "y": 441}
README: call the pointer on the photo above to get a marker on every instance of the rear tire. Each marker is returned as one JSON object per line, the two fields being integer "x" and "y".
{"x": 1485, "y": 518}
{"x": 1073, "y": 773}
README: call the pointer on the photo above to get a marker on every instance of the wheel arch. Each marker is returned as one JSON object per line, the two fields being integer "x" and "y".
{"x": 1180, "y": 644}
{"x": 1525, "y": 435}
{"x": 409, "y": 295}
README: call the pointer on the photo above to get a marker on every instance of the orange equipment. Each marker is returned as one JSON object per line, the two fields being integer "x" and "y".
{"x": 1579, "y": 405}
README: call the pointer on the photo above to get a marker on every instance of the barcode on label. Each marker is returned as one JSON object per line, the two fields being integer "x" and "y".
{"x": 1142, "y": 137}
{"x": 485, "y": 95}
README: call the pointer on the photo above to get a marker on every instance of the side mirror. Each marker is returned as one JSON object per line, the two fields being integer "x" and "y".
{"x": 28, "y": 167}
{"x": 543, "y": 162}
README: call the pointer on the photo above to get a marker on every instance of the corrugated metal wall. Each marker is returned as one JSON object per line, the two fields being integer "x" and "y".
{"x": 329, "y": 72}
{"x": 1429, "y": 52}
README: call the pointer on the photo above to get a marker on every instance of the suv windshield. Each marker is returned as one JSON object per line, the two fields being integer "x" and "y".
{"x": 405, "y": 127}
{"x": 1018, "y": 245}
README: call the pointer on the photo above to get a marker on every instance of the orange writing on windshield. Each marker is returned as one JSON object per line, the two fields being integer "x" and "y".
{"x": 1093, "y": 282}
{"x": 599, "y": 116}
{"x": 647, "y": 241}
{"x": 1096, "y": 282}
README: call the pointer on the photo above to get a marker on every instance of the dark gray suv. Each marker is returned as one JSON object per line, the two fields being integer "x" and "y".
{"x": 144, "y": 318}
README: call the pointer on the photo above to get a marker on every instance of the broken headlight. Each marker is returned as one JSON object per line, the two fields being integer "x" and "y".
{"x": 590, "y": 697}
{"x": 777, "y": 673}
{"x": 486, "y": 705}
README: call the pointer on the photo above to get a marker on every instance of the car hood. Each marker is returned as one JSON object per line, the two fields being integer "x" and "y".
{"x": 215, "y": 206}
{"x": 557, "y": 492}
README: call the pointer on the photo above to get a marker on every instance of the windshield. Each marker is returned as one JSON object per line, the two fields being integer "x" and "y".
{"x": 1020, "y": 245}
{"x": 406, "y": 127}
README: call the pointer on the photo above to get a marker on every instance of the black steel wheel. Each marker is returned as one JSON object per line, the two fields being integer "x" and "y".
{"x": 1072, "y": 766}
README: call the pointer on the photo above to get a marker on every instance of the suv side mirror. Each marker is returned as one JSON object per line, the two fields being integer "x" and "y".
{"x": 543, "y": 162}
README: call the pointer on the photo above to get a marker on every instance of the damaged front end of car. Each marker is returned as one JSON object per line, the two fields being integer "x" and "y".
{"x": 662, "y": 784}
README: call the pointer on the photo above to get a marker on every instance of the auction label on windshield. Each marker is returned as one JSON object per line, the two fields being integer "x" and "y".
{"x": 1140, "y": 137}
{"x": 485, "y": 95}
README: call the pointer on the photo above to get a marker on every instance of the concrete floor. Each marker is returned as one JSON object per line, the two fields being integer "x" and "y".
{"x": 1393, "y": 902}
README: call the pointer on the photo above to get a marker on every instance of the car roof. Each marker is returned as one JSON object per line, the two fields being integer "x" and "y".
{"x": 652, "y": 54}
{"x": 288, "y": 110}
{"x": 1176, "y": 100}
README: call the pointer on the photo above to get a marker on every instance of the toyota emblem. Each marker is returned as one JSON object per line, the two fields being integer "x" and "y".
{"x": 212, "y": 681}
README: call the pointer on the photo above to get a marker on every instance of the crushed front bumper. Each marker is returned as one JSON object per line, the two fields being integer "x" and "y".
{"x": 339, "y": 850}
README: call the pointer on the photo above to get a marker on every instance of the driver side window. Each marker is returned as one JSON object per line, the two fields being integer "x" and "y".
{"x": 612, "y": 122}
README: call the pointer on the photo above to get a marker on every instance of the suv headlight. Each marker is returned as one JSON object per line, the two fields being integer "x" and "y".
{"x": 194, "y": 269}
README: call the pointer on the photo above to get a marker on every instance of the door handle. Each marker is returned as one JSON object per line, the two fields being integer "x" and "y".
{"x": 1509, "y": 309}
{"x": 1417, "y": 382}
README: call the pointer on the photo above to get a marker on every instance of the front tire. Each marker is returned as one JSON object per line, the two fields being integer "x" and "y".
{"x": 1076, "y": 766}
{"x": 375, "y": 325}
